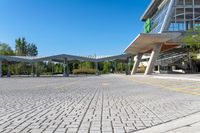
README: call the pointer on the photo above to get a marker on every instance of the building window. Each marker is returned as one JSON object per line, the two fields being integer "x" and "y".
{"x": 180, "y": 2}
{"x": 188, "y": 2}
{"x": 196, "y": 2}
{"x": 197, "y": 17}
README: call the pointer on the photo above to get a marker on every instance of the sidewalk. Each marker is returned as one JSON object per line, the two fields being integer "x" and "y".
{"x": 188, "y": 124}
{"x": 190, "y": 77}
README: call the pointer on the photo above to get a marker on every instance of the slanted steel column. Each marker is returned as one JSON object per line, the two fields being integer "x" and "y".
{"x": 66, "y": 68}
{"x": 154, "y": 55}
{"x": 167, "y": 18}
{"x": 1, "y": 74}
{"x": 97, "y": 68}
{"x": 136, "y": 63}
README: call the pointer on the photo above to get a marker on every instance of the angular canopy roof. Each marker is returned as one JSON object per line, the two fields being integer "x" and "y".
{"x": 62, "y": 57}
{"x": 144, "y": 43}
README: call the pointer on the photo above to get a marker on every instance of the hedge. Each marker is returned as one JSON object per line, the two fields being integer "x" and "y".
{"x": 84, "y": 71}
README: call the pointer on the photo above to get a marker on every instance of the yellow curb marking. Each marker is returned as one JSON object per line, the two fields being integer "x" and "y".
{"x": 185, "y": 89}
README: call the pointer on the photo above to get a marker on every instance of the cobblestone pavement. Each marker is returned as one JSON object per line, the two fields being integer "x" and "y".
{"x": 184, "y": 86}
{"x": 103, "y": 104}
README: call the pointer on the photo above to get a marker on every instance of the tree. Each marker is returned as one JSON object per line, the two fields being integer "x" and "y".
{"x": 32, "y": 50}
{"x": 5, "y": 49}
{"x": 86, "y": 65}
{"x": 192, "y": 43}
{"x": 193, "y": 40}
{"x": 106, "y": 67}
{"x": 21, "y": 47}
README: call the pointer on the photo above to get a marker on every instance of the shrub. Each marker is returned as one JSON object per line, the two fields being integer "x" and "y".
{"x": 84, "y": 71}
{"x": 141, "y": 69}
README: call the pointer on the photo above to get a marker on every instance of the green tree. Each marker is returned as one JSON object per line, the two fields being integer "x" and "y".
{"x": 192, "y": 43}
{"x": 21, "y": 47}
{"x": 32, "y": 50}
{"x": 106, "y": 67}
{"x": 86, "y": 65}
{"x": 5, "y": 49}
{"x": 192, "y": 40}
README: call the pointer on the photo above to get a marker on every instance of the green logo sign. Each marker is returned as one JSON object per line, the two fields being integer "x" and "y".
{"x": 147, "y": 26}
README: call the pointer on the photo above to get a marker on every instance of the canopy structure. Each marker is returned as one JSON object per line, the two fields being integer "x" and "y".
{"x": 62, "y": 58}
{"x": 154, "y": 44}
{"x": 56, "y": 58}
{"x": 144, "y": 43}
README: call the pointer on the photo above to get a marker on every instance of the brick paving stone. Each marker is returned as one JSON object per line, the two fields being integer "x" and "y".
{"x": 103, "y": 104}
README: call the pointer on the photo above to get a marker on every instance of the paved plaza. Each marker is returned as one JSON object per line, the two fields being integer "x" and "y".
{"x": 93, "y": 104}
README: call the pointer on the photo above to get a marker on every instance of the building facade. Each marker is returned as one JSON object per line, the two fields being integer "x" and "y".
{"x": 165, "y": 24}
{"x": 182, "y": 15}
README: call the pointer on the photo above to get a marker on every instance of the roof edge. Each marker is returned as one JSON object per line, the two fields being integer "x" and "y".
{"x": 149, "y": 8}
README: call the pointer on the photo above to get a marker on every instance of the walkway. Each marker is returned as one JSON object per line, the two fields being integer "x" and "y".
{"x": 96, "y": 104}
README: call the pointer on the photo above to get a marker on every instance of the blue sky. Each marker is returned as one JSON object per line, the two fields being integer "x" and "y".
{"x": 78, "y": 27}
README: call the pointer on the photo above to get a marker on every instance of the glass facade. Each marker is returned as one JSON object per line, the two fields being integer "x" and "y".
{"x": 185, "y": 16}
{"x": 158, "y": 19}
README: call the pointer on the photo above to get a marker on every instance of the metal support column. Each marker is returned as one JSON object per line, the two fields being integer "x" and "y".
{"x": 1, "y": 74}
{"x": 128, "y": 68}
{"x": 97, "y": 68}
{"x": 66, "y": 68}
{"x": 36, "y": 70}
{"x": 136, "y": 63}
{"x": 154, "y": 55}
{"x": 115, "y": 65}
{"x": 8, "y": 72}
{"x": 52, "y": 70}
{"x": 32, "y": 69}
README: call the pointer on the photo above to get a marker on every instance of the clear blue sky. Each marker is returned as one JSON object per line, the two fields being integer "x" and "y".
{"x": 79, "y": 27}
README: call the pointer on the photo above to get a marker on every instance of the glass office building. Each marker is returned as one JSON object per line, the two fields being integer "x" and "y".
{"x": 165, "y": 24}
{"x": 183, "y": 15}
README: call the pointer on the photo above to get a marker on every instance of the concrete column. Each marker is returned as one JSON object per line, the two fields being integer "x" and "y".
{"x": 137, "y": 63}
{"x": 66, "y": 68}
{"x": 1, "y": 74}
{"x": 154, "y": 55}
{"x": 97, "y": 68}
{"x": 159, "y": 69}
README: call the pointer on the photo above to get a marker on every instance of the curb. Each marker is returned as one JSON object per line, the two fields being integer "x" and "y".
{"x": 173, "y": 125}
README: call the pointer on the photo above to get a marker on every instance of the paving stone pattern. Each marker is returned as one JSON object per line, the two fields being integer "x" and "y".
{"x": 103, "y": 104}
